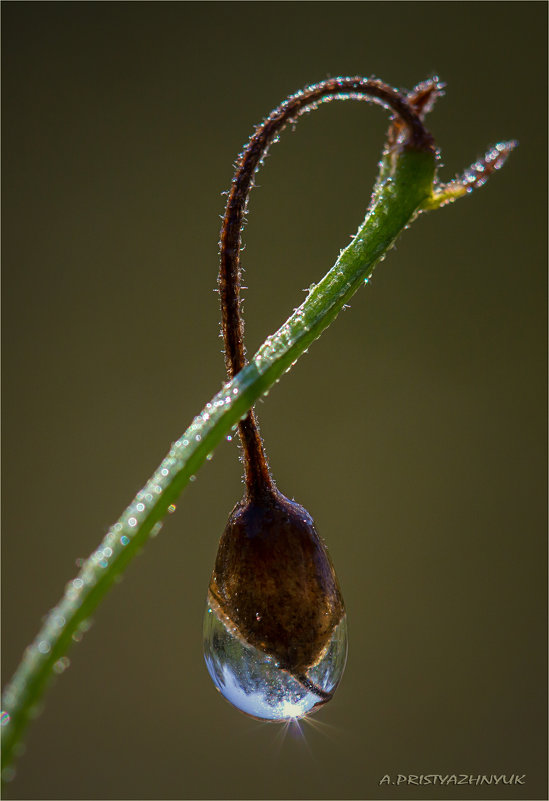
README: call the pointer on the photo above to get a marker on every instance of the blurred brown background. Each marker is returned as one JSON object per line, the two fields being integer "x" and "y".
{"x": 414, "y": 431}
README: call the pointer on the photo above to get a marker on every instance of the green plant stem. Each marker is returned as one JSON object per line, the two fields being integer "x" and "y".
{"x": 401, "y": 192}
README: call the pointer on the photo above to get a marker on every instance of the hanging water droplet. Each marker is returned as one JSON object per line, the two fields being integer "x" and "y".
{"x": 61, "y": 665}
{"x": 275, "y": 639}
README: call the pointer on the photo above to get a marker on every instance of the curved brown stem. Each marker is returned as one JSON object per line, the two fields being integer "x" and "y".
{"x": 258, "y": 478}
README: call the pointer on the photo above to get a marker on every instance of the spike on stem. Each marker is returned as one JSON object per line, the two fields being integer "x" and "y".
{"x": 474, "y": 176}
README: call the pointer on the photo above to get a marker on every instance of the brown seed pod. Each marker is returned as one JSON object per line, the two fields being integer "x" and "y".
{"x": 273, "y": 583}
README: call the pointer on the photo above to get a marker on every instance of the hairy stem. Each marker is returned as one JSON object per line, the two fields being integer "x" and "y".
{"x": 257, "y": 474}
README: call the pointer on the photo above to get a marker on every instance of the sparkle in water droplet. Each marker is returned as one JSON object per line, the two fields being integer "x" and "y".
{"x": 250, "y": 679}
{"x": 4, "y": 718}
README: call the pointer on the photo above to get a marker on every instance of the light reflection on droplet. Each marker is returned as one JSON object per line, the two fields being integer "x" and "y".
{"x": 4, "y": 718}
{"x": 124, "y": 540}
{"x": 140, "y": 507}
{"x": 171, "y": 508}
{"x": 61, "y": 665}
{"x": 44, "y": 647}
{"x": 252, "y": 682}
{"x": 132, "y": 522}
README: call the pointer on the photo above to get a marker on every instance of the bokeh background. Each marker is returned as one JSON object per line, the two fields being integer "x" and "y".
{"x": 414, "y": 431}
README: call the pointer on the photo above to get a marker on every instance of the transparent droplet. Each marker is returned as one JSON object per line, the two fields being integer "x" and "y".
{"x": 250, "y": 680}
{"x": 61, "y": 665}
{"x": 275, "y": 636}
